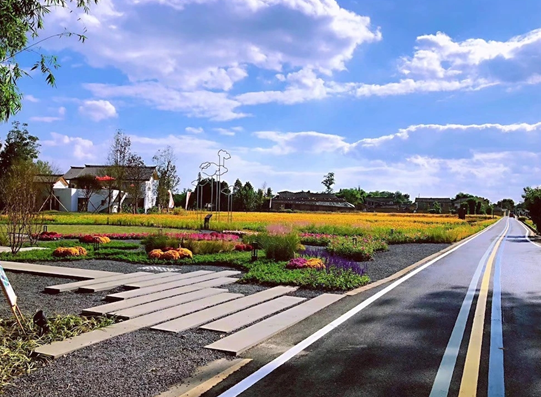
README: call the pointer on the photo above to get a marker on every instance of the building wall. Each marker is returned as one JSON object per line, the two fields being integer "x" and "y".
{"x": 68, "y": 197}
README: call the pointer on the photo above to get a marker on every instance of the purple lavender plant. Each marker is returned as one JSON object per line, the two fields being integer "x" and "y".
{"x": 333, "y": 261}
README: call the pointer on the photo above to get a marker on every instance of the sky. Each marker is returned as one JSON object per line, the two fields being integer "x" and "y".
{"x": 430, "y": 98}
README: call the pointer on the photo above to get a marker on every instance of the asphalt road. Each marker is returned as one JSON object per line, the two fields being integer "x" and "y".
{"x": 469, "y": 324}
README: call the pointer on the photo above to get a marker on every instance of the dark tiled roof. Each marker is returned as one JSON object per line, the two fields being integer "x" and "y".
{"x": 430, "y": 199}
{"x": 99, "y": 170}
{"x": 49, "y": 179}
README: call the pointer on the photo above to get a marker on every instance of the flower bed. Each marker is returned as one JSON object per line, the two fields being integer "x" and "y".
{"x": 49, "y": 236}
{"x": 89, "y": 239}
{"x": 140, "y": 236}
{"x": 62, "y": 252}
{"x": 243, "y": 247}
{"x": 170, "y": 254}
{"x": 358, "y": 249}
{"x": 321, "y": 240}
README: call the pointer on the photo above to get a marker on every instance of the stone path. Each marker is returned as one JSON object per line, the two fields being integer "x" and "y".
{"x": 255, "y": 334}
{"x": 55, "y": 289}
{"x": 55, "y": 270}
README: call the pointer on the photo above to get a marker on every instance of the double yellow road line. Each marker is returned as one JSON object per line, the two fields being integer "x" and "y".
{"x": 470, "y": 377}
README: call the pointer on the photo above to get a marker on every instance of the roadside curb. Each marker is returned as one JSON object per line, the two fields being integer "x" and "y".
{"x": 531, "y": 229}
{"x": 205, "y": 378}
{"x": 408, "y": 269}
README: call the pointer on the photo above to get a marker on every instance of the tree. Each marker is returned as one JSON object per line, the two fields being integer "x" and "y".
{"x": 436, "y": 207}
{"x": 119, "y": 156}
{"x": 472, "y": 202}
{"x": 353, "y": 196}
{"x": 20, "y": 201}
{"x": 22, "y": 20}
{"x": 532, "y": 202}
{"x": 463, "y": 195}
{"x": 249, "y": 197}
{"x": 506, "y": 204}
{"x": 19, "y": 146}
{"x": 238, "y": 204}
{"x": 46, "y": 168}
{"x": 328, "y": 182}
{"x": 167, "y": 174}
{"x": 478, "y": 208}
{"x": 135, "y": 173}
{"x": 89, "y": 186}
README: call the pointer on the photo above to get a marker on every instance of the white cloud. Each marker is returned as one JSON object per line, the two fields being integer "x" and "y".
{"x": 98, "y": 110}
{"x": 194, "y": 130}
{"x": 31, "y": 98}
{"x": 225, "y": 131}
{"x": 214, "y": 105}
{"x": 49, "y": 119}
{"x": 76, "y": 147}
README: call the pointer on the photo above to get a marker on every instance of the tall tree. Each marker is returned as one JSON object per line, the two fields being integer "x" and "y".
{"x": 19, "y": 146}
{"x": 119, "y": 156}
{"x": 353, "y": 196}
{"x": 89, "y": 185}
{"x": 532, "y": 202}
{"x": 21, "y": 21}
{"x": 165, "y": 161}
{"x": 135, "y": 174}
{"x": 328, "y": 182}
{"x": 238, "y": 202}
{"x": 507, "y": 204}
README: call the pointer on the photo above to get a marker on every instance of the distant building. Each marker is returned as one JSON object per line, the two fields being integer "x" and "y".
{"x": 425, "y": 204}
{"x": 385, "y": 204}
{"x": 71, "y": 195}
{"x": 306, "y": 201}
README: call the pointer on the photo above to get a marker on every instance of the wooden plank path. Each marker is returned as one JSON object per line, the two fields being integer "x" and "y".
{"x": 57, "y": 349}
{"x": 161, "y": 304}
{"x": 69, "y": 272}
{"x": 170, "y": 278}
{"x": 99, "y": 286}
{"x": 259, "y": 332}
{"x": 241, "y": 319}
{"x": 126, "y": 303}
{"x": 207, "y": 315}
{"x": 174, "y": 284}
{"x": 55, "y": 289}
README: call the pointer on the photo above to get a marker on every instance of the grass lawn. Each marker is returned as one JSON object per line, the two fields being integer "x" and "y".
{"x": 101, "y": 229}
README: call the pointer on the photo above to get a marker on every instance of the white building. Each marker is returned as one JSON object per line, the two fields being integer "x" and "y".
{"x": 73, "y": 199}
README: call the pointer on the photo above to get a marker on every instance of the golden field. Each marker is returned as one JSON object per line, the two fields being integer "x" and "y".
{"x": 414, "y": 227}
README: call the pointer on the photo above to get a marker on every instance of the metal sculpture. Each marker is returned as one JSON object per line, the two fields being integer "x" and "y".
{"x": 214, "y": 172}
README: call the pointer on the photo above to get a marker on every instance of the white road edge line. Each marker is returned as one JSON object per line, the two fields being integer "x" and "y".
{"x": 527, "y": 235}
{"x": 262, "y": 372}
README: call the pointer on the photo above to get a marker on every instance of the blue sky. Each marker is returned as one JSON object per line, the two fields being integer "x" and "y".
{"x": 430, "y": 98}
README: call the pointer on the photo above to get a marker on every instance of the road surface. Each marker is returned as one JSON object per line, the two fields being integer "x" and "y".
{"x": 469, "y": 324}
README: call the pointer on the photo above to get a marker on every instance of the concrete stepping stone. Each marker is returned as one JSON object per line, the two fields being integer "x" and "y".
{"x": 126, "y": 303}
{"x": 170, "y": 277}
{"x": 61, "y": 348}
{"x": 113, "y": 284}
{"x": 55, "y": 270}
{"x": 259, "y": 332}
{"x": 253, "y": 314}
{"x": 161, "y": 304}
{"x": 207, "y": 315}
{"x": 174, "y": 284}
{"x": 55, "y": 289}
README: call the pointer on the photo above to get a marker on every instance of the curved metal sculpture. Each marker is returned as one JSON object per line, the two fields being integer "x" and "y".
{"x": 214, "y": 172}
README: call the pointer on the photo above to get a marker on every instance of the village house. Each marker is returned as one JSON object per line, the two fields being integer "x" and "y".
{"x": 385, "y": 204}
{"x": 425, "y": 204}
{"x": 70, "y": 194}
{"x": 306, "y": 201}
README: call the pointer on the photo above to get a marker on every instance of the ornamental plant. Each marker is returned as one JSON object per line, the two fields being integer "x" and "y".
{"x": 49, "y": 236}
{"x": 279, "y": 247}
{"x": 170, "y": 255}
{"x": 62, "y": 252}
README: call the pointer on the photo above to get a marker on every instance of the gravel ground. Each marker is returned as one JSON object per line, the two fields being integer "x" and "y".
{"x": 399, "y": 257}
{"x": 145, "y": 362}
{"x": 29, "y": 289}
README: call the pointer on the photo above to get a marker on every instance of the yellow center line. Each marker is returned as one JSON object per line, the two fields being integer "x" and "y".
{"x": 468, "y": 384}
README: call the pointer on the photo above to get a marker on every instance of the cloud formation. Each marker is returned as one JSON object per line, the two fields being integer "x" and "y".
{"x": 98, "y": 110}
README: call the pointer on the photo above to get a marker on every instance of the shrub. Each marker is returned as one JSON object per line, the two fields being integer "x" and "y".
{"x": 62, "y": 252}
{"x": 317, "y": 239}
{"x": 522, "y": 218}
{"x": 171, "y": 255}
{"x": 279, "y": 247}
{"x": 3, "y": 239}
{"x": 49, "y": 236}
{"x": 159, "y": 241}
{"x": 179, "y": 211}
{"x": 243, "y": 247}
{"x": 297, "y": 263}
{"x": 360, "y": 250}
{"x": 208, "y": 247}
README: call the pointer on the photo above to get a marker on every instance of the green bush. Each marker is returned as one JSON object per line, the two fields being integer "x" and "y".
{"x": 208, "y": 247}
{"x": 520, "y": 218}
{"x": 3, "y": 239}
{"x": 279, "y": 247}
{"x": 360, "y": 250}
{"x": 159, "y": 241}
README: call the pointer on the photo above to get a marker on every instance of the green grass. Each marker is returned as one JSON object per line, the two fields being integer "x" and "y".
{"x": 16, "y": 347}
{"x": 275, "y": 273}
